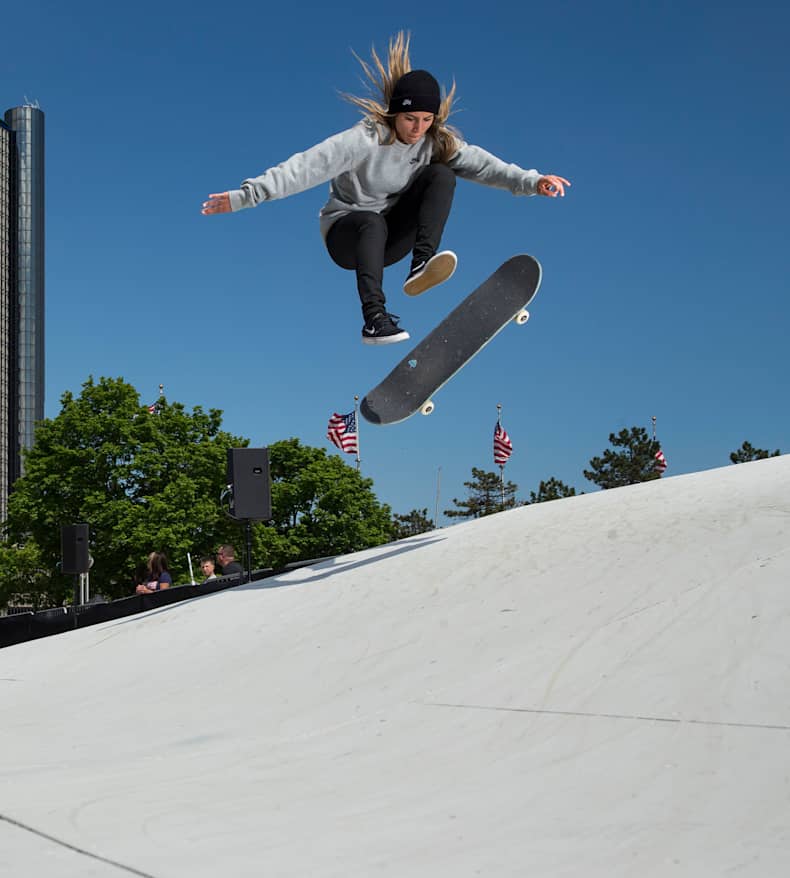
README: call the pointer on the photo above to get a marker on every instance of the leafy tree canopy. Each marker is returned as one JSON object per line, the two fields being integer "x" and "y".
{"x": 23, "y": 577}
{"x": 551, "y": 489}
{"x": 485, "y": 496}
{"x": 321, "y": 507}
{"x": 146, "y": 482}
{"x": 635, "y": 463}
{"x": 748, "y": 453}
{"x": 411, "y": 524}
{"x": 142, "y": 481}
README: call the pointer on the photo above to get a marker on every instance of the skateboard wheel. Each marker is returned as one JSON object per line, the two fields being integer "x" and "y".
{"x": 426, "y": 408}
{"x": 522, "y": 317}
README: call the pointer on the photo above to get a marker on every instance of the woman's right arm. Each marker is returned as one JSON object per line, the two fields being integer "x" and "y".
{"x": 304, "y": 170}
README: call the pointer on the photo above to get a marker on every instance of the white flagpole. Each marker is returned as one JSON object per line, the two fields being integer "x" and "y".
{"x": 356, "y": 421}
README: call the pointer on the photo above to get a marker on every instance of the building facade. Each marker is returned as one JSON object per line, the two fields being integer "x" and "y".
{"x": 21, "y": 288}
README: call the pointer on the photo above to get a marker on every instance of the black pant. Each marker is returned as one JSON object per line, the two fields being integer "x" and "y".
{"x": 366, "y": 242}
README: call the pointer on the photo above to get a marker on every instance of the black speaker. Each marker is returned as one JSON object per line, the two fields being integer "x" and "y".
{"x": 74, "y": 548}
{"x": 248, "y": 477}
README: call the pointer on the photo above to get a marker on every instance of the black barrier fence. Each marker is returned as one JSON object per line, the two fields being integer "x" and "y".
{"x": 22, "y": 627}
{"x": 15, "y": 629}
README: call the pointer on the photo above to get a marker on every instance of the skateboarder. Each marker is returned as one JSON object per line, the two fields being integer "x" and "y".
{"x": 392, "y": 180}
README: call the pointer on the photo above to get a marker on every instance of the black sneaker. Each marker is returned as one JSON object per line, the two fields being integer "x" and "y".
{"x": 425, "y": 275}
{"x": 383, "y": 329}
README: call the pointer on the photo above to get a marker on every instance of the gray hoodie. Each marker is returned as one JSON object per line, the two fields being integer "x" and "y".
{"x": 366, "y": 174}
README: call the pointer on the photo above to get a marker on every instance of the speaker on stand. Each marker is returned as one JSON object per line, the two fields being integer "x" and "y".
{"x": 75, "y": 557}
{"x": 249, "y": 489}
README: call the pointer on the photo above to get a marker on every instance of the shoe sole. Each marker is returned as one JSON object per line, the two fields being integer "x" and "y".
{"x": 438, "y": 269}
{"x": 385, "y": 339}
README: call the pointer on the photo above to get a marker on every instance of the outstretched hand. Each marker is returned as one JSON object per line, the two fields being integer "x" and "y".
{"x": 551, "y": 186}
{"x": 218, "y": 202}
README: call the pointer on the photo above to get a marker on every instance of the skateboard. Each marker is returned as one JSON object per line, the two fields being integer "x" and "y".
{"x": 408, "y": 388}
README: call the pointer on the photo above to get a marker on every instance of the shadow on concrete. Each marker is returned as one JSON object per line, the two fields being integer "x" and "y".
{"x": 337, "y": 565}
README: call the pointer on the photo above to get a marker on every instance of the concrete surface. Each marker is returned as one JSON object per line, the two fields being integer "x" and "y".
{"x": 597, "y": 686}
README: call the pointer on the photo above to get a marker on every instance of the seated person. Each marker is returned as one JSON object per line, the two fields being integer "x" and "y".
{"x": 226, "y": 555}
{"x": 207, "y": 566}
{"x": 157, "y": 577}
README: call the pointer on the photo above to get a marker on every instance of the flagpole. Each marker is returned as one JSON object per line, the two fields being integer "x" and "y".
{"x": 438, "y": 483}
{"x": 661, "y": 461}
{"x": 501, "y": 466}
{"x": 156, "y": 407}
{"x": 356, "y": 421}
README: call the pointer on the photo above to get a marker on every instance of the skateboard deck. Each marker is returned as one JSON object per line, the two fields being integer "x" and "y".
{"x": 448, "y": 348}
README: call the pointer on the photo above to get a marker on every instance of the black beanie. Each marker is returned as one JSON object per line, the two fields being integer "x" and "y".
{"x": 415, "y": 92}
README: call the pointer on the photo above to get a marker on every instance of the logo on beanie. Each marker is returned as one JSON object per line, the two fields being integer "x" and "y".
{"x": 407, "y": 102}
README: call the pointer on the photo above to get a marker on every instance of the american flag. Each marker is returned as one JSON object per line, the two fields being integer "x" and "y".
{"x": 342, "y": 431}
{"x": 503, "y": 447}
{"x": 153, "y": 409}
{"x": 661, "y": 461}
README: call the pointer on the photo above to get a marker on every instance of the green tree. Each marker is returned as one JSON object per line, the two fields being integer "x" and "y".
{"x": 142, "y": 481}
{"x": 635, "y": 463}
{"x": 321, "y": 506}
{"x": 23, "y": 576}
{"x": 747, "y": 453}
{"x": 552, "y": 489}
{"x": 485, "y": 496}
{"x": 411, "y": 524}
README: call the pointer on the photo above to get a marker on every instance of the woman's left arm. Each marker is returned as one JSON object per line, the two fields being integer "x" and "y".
{"x": 477, "y": 164}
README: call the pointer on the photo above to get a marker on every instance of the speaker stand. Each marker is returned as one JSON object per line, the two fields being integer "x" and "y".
{"x": 81, "y": 589}
{"x": 248, "y": 548}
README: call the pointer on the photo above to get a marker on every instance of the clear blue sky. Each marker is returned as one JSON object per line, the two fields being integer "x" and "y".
{"x": 665, "y": 286}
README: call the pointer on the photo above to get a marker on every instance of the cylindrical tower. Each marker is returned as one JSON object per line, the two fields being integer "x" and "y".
{"x": 27, "y": 123}
{"x": 8, "y": 427}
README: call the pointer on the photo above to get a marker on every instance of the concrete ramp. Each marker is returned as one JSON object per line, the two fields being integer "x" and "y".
{"x": 597, "y": 686}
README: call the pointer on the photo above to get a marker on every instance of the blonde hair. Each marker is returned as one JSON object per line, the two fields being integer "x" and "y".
{"x": 381, "y": 79}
